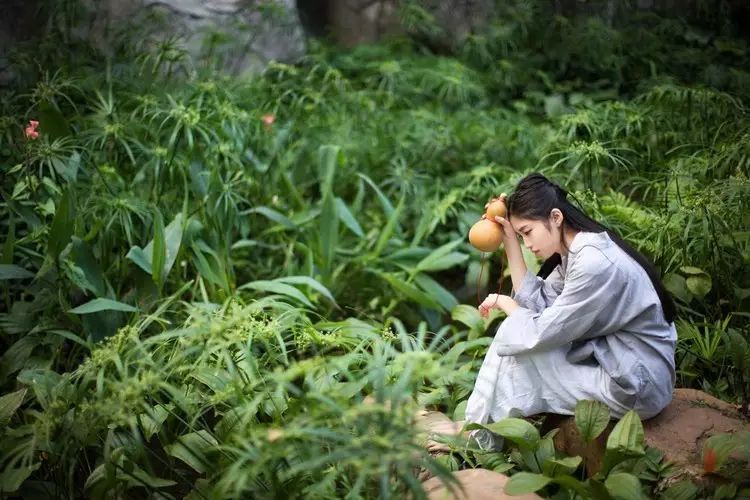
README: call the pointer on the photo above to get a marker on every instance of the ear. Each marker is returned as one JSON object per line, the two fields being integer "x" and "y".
{"x": 557, "y": 217}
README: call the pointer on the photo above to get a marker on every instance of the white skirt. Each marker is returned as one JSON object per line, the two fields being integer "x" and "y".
{"x": 533, "y": 383}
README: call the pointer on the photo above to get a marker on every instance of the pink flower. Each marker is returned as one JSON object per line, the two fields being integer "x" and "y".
{"x": 31, "y": 132}
{"x": 268, "y": 120}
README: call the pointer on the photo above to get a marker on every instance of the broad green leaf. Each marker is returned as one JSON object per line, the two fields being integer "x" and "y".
{"x": 469, "y": 316}
{"x": 728, "y": 491}
{"x": 408, "y": 256}
{"x": 347, "y": 218}
{"x": 173, "y": 238}
{"x": 329, "y": 219}
{"x": 460, "y": 412}
{"x": 591, "y": 418}
{"x": 677, "y": 286}
{"x": 384, "y": 202}
{"x": 560, "y": 466}
{"x": 92, "y": 276}
{"x": 409, "y": 290}
{"x": 624, "y": 486}
{"x": 198, "y": 178}
{"x": 443, "y": 258}
{"x": 11, "y": 478}
{"x": 9, "y": 403}
{"x": 521, "y": 432}
{"x": 101, "y": 304}
{"x": 278, "y": 288}
{"x": 63, "y": 225}
{"x": 627, "y": 435}
{"x": 137, "y": 255}
{"x": 13, "y": 272}
{"x": 699, "y": 285}
{"x": 435, "y": 290}
{"x": 172, "y": 241}
{"x": 71, "y": 336}
{"x": 208, "y": 266}
{"x": 329, "y": 156}
{"x": 69, "y": 170}
{"x": 272, "y": 215}
{"x": 17, "y": 355}
{"x": 141, "y": 477}
{"x": 389, "y": 229}
{"x": 10, "y": 240}
{"x": 625, "y": 441}
{"x": 544, "y": 451}
{"x": 193, "y": 449}
{"x": 721, "y": 447}
{"x": 311, "y": 282}
{"x": 683, "y": 490}
{"x": 44, "y": 382}
{"x": 329, "y": 230}
{"x": 152, "y": 420}
{"x": 158, "y": 250}
{"x": 692, "y": 270}
{"x": 522, "y": 483}
{"x": 574, "y": 484}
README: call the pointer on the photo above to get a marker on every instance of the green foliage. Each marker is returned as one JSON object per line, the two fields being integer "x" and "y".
{"x": 543, "y": 470}
{"x": 243, "y": 401}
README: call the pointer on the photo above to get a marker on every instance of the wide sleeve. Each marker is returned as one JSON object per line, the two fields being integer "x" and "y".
{"x": 591, "y": 298}
{"x": 536, "y": 294}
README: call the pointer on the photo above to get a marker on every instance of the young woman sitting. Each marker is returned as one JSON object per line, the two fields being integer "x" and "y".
{"x": 595, "y": 323}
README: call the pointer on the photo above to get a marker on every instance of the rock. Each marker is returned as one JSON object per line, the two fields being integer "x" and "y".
{"x": 353, "y": 22}
{"x": 678, "y": 431}
{"x": 473, "y": 484}
{"x": 682, "y": 427}
{"x": 252, "y": 33}
{"x": 356, "y": 21}
{"x": 244, "y": 35}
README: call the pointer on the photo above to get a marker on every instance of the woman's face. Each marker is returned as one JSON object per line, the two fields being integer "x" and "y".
{"x": 539, "y": 236}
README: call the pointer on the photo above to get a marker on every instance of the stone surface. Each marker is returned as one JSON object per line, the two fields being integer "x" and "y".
{"x": 473, "y": 484}
{"x": 359, "y": 21}
{"x": 246, "y": 34}
{"x": 679, "y": 430}
{"x": 352, "y": 22}
{"x": 253, "y": 32}
{"x": 692, "y": 417}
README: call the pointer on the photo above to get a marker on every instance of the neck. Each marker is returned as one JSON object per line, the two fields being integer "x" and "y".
{"x": 568, "y": 237}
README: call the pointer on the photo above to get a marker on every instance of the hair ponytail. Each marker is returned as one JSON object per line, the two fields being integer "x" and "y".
{"x": 535, "y": 197}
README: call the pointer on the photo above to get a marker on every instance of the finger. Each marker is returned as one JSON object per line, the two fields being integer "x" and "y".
{"x": 435, "y": 447}
{"x": 507, "y": 227}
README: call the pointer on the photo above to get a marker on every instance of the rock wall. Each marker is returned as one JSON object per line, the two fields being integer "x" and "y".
{"x": 239, "y": 35}
{"x": 352, "y": 22}
{"x": 236, "y": 36}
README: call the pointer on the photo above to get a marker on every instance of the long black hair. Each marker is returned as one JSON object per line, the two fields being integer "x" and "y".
{"x": 534, "y": 198}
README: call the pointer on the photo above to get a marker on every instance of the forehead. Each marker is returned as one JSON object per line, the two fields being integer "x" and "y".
{"x": 519, "y": 223}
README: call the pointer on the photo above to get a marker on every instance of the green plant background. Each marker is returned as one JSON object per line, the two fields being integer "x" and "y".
{"x": 198, "y": 303}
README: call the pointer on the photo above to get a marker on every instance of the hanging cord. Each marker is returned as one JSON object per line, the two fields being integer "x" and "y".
{"x": 481, "y": 271}
{"x": 479, "y": 278}
{"x": 500, "y": 280}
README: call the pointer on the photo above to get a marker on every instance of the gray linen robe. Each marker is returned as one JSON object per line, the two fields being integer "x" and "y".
{"x": 594, "y": 329}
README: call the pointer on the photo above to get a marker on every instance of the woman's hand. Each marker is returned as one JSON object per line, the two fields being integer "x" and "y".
{"x": 509, "y": 234}
{"x": 496, "y": 301}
